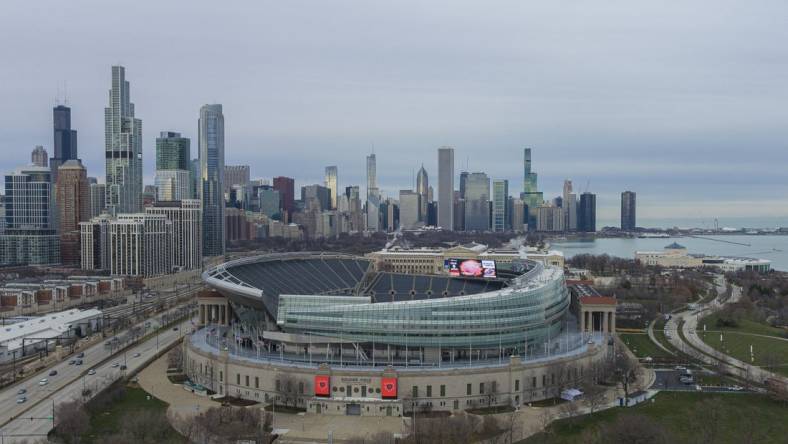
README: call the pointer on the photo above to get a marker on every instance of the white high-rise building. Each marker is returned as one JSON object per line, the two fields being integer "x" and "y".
{"x": 423, "y": 188}
{"x": 446, "y": 187}
{"x": 373, "y": 195}
{"x": 123, "y": 145}
{"x": 186, "y": 231}
{"x": 94, "y": 243}
{"x": 140, "y": 245}
{"x": 500, "y": 215}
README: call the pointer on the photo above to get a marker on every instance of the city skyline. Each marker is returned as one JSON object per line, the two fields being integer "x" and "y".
{"x": 657, "y": 133}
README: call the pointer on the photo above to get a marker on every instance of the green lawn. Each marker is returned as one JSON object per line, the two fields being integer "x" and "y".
{"x": 641, "y": 345}
{"x": 745, "y": 326}
{"x": 680, "y": 413}
{"x": 135, "y": 400}
{"x": 767, "y": 351}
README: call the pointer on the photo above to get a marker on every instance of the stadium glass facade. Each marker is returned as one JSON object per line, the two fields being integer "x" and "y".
{"x": 350, "y": 302}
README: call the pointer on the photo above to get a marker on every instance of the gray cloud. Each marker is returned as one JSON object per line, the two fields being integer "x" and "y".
{"x": 683, "y": 102}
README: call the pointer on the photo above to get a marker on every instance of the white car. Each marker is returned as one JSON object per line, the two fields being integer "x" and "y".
{"x": 736, "y": 388}
{"x": 136, "y": 355}
{"x": 44, "y": 381}
{"x": 21, "y": 400}
{"x": 679, "y": 367}
{"x": 91, "y": 372}
{"x": 115, "y": 365}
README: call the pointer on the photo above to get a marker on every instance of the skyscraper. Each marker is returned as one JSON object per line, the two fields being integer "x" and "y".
{"x": 73, "y": 205}
{"x": 236, "y": 175}
{"x": 123, "y": 145}
{"x": 463, "y": 182}
{"x": 211, "y": 142}
{"x": 446, "y": 187}
{"x": 65, "y": 139}
{"x": 477, "y": 202}
{"x": 39, "y": 157}
{"x": 500, "y": 215}
{"x": 186, "y": 231}
{"x": 586, "y": 215}
{"x": 373, "y": 195}
{"x": 628, "y": 210}
{"x": 286, "y": 188}
{"x": 409, "y": 208}
{"x": 29, "y": 237}
{"x": 331, "y": 184}
{"x": 173, "y": 162}
{"x": 530, "y": 195}
{"x": 423, "y": 189}
{"x": 98, "y": 199}
{"x": 569, "y": 203}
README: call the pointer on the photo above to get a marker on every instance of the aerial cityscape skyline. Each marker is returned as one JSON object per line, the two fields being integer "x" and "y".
{"x": 620, "y": 131}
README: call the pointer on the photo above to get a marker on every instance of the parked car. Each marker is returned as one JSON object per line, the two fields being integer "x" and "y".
{"x": 21, "y": 400}
{"x": 71, "y": 362}
{"x": 91, "y": 372}
{"x": 81, "y": 355}
{"x": 115, "y": 365}
{"x": 79, "y": 362}
{"x": 44, "y": 381}
{"x": 123, "y": 367}
{"x": 679, "y": 367}
{"x": 21, "y": 391}
{"x": 136, "y": 355}
{"x": 53, "y": 373}
{"x": 736, "y": 388}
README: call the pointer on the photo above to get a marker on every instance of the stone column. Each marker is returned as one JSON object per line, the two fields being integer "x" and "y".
{"x": 582, "y": 320}
{"x": 613, "y": 321}
{"x": 604, "y": 321}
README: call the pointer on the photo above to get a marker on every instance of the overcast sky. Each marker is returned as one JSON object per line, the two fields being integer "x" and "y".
{"x": 684, "y": 102}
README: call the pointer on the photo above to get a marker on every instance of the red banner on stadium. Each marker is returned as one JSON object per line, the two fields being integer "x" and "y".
{"x": 322, "y": 386}
{"x": 388, "y": 388}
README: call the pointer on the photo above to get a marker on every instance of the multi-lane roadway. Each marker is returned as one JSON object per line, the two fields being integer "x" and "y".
{"x": 32, "y": 418}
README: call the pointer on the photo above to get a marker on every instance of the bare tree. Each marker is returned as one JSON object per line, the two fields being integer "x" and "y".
{"x": 290, "y": 389}
{"x": 71, "y": 420}
{"x": 595, "y": 395}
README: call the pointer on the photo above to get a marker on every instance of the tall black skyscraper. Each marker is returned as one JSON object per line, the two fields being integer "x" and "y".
{"x": 65, "y": 139}
{"x": 628, "y": 210}
{"x": 586, "y": 214}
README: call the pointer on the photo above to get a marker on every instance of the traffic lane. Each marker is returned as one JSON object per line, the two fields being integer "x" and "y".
{"x": 65, "y": 373}
{"x": 37, "y": 427}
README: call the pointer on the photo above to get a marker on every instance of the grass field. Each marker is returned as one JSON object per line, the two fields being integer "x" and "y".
{"x": 135, "y": 400}
{"x": 641, "y": 345}
{"x": 745, "y": 326}
{"x": 771, "y": 352}
{"x": 681, "y": 413}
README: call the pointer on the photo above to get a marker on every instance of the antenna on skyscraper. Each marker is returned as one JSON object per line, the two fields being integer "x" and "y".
{"x": 373, "y": 147}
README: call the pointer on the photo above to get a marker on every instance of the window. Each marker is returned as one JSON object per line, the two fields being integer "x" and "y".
{"x": 494, "y": 386}
{"x": 278, "y": 385}
{"x": 247, "y": 380}
{"x": 429, "y": 391}
{"x": 221, "y": 376}
{"x": 552, "y": 378}
{"x": 516, "y": 385}
{"x": 237, "y": 379}
{"x": 544, "y": 380}
{"x": 415, "y": 391}
{"x": 468, "y": 390}
{"x": 481, "y": 388}
{"x": 257, "y": 382}
{"x": 301, "y": 387}
{"x": 443, "y": 390}
{"x": 533, "y": 382}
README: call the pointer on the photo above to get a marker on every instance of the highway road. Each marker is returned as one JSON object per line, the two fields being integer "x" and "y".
{"x": 695, "y": 347}
{"x": 70, "y": 380}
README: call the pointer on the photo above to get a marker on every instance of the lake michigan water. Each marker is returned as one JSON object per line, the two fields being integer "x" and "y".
{"x": 771, "y": 247}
